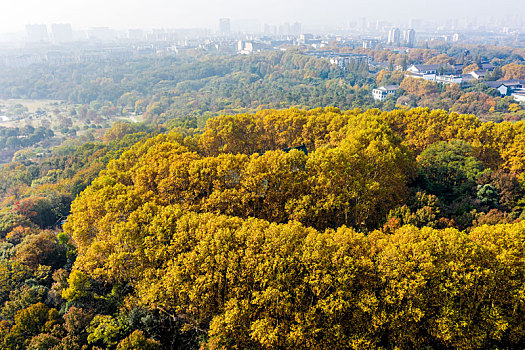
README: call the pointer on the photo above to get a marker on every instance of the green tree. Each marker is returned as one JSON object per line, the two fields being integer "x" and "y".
{"x": 449, "y": 169}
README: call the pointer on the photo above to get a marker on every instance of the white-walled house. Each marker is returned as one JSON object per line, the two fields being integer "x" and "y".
{"x": 449, "y": 79}
{"x": 506, "y": 87}
{"x": 424, "y": 68}
{"x": 478, "y": 74}
{"x": 425, "y": 76}
{"x": 519, "y": 95}
{"x": 383, "y": 92}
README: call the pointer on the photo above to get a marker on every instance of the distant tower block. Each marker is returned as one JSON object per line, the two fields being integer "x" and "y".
{"x": 393, "y": 36}
{"x": 37, "y": 33}
{"x": 224, "y": 26}
{"x": 410, "y": 37}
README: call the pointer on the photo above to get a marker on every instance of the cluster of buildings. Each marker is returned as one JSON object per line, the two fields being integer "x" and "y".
{"x": 246, "y": 47}
{"x": 60, "y": 33}
{"x": 447, "y": 74}
{"x": 110, "y": 44}
{"x": 79, "y": 54}
{"x": 395, "y": 38}
{"x": 343, "y": 60}
{"x": 283, "y": 29}
{"x": 514, "y": 88}
{"x": 228, "y": 39}
{"x": 431, "y": 72}
{"x": 226, "y": 28}
{"x": 64, "y": 34}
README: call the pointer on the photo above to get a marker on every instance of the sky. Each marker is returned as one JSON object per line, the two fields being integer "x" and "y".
{"x": 122, "y": 14}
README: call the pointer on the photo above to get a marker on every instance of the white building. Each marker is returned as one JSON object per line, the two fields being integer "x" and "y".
{"x": 37, "y": 33}
{"x": 506, "y": 87}
{"x": 436, "y": 78}
{"x": 370, "y": 43}
{"x": 410, "y": 37}
{"x": 424, "y": 68}
{"x": 343, "y": 61}
{"x": 424, "y": 76}
{"x": 224, "y": 26}
{"x": 449, "y": 79}
{"x": 519, "y": 95}
{"x": 394, "y": 36}
{"x": 478, "y": 74}
{"x": 383, "y": 92}
{"x": 249, "y": 47}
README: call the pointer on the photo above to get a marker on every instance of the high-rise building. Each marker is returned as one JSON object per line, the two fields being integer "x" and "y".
{"x": 394, "y": 36}
{"x": 410, "y": 37}
{"x": 224, "y": 26}
{"x": 37, "y": 33}
{"x": 370, "y": 43}
{"x": 62, "y": 33}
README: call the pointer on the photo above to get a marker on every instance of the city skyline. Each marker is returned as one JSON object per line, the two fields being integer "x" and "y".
{"x": 120, "y": 14}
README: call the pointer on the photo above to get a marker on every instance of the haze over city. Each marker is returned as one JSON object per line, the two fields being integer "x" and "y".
{"x": 122, "y": 14}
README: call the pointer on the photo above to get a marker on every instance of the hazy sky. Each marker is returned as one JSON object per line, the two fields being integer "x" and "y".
{"x": 14, "y": 14}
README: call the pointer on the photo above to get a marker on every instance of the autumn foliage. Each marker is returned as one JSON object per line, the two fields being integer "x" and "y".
{"x": 514, "y": 71}
{"x": 315, "y": 229}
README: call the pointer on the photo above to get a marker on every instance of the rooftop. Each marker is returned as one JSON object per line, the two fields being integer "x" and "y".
{"x": 498, "y": 83}
{"x": 389, "y": 87}
{"x": 427, "y": 66}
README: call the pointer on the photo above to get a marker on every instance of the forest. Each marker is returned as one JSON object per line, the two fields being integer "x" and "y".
{"x": 296, "y": 228}
{"x": 262, "y": 202}
{"x": 201, "y": 86}
{"x": 200, "y": 82}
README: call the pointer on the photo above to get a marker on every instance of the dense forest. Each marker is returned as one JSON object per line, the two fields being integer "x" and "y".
{"x": 196, "y": 84}
{"x": 298, "y": 228}
{"x": 201, "y": 86}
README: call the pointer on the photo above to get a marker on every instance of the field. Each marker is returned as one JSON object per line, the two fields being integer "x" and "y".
{"x": 60, "y": 116}
{"x": 62, "y": 120}
{"x": 19, "y": 112}
{"x": 32, "y": 105}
